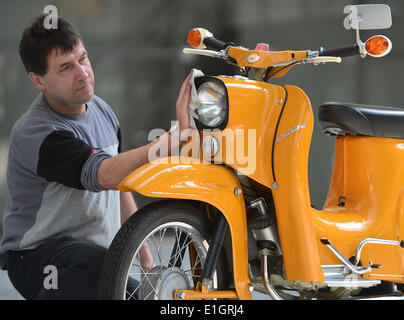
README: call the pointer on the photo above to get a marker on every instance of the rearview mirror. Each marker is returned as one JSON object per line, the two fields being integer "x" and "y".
{"x": 367, "y": 16}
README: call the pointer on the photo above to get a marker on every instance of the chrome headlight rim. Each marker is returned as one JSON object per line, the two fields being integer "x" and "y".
{"x": 223, "y": 124}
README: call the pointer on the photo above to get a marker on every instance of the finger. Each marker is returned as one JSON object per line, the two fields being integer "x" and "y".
{"x": 184, "y": 85}
{"x": 182, "y": 111}
{"x": 185, "y": 97}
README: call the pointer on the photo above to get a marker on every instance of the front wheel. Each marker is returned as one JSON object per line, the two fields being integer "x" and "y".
{"x": 177, "y": 234}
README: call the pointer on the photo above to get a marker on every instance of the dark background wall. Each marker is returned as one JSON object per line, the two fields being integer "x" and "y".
{"x": 135, "y": 49}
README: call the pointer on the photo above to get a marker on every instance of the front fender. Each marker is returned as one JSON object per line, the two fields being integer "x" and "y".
{"x": 179, "y": 178}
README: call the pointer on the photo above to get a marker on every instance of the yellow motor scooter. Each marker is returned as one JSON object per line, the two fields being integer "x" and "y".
{"x": 238, "y": 215}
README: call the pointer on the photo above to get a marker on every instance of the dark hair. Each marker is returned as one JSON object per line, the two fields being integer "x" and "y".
{"x": 37, "y": 42}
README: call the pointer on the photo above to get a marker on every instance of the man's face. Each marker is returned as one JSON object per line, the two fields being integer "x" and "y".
{"x": 69, "y": 82}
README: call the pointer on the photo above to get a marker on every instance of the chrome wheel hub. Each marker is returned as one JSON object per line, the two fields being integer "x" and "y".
{"x": 162, "y": 282}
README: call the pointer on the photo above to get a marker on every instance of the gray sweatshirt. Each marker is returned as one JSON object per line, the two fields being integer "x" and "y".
{"x": 52, "y": 177}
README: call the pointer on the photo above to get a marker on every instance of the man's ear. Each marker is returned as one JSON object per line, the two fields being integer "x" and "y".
{"x": 37, "y": 80}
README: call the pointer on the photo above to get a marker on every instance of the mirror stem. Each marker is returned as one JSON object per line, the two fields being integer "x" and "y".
{"x": 360, "y": 44}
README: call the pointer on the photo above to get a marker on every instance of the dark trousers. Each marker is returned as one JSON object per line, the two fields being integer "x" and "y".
{"x": 77, "y": 265}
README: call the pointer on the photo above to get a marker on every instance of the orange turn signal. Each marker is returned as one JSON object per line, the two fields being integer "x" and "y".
{"x": 378, "y": 46}
{"x": 194, "y": 38}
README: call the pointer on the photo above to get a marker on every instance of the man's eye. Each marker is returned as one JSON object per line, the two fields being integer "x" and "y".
{"x": 83, "y": 59}
{"x": 65, "y": 68}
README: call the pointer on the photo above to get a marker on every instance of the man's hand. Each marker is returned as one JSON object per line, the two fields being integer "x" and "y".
{"x": 145, "y": 258}
{"x": 184, "y": 126}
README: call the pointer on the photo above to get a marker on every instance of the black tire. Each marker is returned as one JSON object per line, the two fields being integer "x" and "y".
{"x": 182, "y": 219}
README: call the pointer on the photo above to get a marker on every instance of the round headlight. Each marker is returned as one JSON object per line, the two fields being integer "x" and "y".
{"x": 212, "y": 104}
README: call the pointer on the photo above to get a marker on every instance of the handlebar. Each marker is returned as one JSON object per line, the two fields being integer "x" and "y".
{"x": 217, "y": 45}
{"x": 340, "y": 52}
{"x": 204, "y": 43}
{"x": 214, "y": 44}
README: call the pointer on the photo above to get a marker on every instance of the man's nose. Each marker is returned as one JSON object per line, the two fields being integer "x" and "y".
{"x": 82, "y": 73}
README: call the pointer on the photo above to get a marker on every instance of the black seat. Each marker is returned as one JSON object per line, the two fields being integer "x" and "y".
{"x": 337, "y": 118}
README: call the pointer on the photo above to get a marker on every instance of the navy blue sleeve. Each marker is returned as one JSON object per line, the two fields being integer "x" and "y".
{"x": 62, "y": 157}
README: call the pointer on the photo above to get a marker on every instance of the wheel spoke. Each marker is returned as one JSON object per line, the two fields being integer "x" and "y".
{"x": 180, "y": 246}
{"x": 181, "y": 240}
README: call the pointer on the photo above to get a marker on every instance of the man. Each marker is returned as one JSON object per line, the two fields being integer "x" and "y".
{"x": 64, "y": 169}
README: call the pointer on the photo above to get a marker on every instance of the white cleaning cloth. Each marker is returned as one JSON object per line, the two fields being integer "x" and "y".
{"x": 193, "y": 101}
